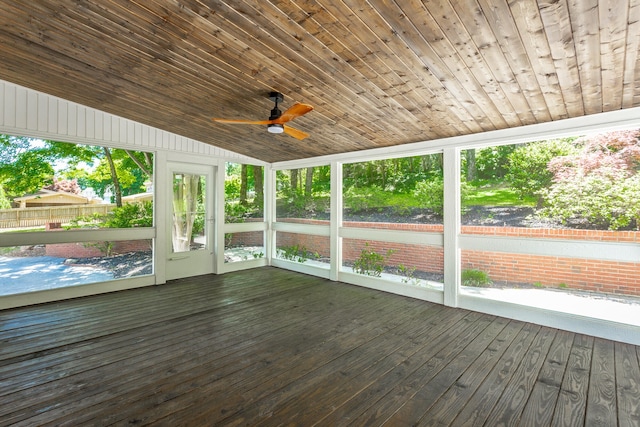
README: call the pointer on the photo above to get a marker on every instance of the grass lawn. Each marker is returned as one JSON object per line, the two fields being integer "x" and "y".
{"x": 496, "y": 195}
{"x": 483, "y": 194}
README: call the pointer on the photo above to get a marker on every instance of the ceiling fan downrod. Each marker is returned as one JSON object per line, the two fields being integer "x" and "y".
{"x": 275, "y": 113}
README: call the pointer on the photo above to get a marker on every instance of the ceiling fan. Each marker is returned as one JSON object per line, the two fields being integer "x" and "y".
{"x": 277, "y": 120}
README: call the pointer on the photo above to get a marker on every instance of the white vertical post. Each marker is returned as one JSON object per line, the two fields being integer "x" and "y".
{"x": 336, "y": 221}
{"x": 269, "y": 212}
{"x": 160, "y": 221}
{"x": 451, "y": 214}
{"x": 218, "y": 219}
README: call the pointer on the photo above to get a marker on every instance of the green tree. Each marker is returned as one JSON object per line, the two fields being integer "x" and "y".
{"x": 5, "y": 203}
{"x": 24, "y": 167}
{"x": 493, "y": 162}
{"x": 528, "y": 172}
{"x": 120, "y": 171}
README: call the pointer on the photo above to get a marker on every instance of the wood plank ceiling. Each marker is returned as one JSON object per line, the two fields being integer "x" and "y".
{"x": 379, "y": 72}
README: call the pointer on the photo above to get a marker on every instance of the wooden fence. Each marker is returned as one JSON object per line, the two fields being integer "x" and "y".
{"x": 34, "y": 217}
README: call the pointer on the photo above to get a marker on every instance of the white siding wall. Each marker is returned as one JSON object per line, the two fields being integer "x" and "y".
{"x": 25, "y": 112}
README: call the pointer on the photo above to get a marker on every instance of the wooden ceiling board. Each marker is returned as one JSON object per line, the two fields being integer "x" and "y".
{"x": 438, "y": 103}
{"x": 505, "y": 31}
{"x": 585, "y": 24}
{"x": 555, "y": 16}
{"x": 614, "y": 16}
{"x": 380, "y": 73}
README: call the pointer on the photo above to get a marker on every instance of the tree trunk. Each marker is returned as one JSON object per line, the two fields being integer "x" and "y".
{"x": 258, "y": 180}
{"x": 117, "y": 191}
{"x": 294, "y": 180}
{"x": 243, "y": 185}
{"x": 308, "y": 183}
{"x": 472, "y": 171}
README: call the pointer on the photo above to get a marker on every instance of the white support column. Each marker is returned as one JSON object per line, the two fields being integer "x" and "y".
{"x": 452, "y": 204}
{"x": 336, "y": 220}
{"x": 269, "y": 212}
{"x": 160, "y": 220}
{"x": 219, "y": 219}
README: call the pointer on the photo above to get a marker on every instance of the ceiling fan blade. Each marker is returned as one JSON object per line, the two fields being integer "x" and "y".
{"x": 245, "y": 122}
{"x": 296, "y": 110}
{"x": 298, "y": 134}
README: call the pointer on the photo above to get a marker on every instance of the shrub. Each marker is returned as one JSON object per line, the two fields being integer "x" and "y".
{"x": 235, "y": 212}
{"x": 476, "y": 278}
{"x": 605, "y": 199}
{"x": 599, "y": 186}
{"x": 127, "y": 216}
{"x": 371, "y": 263}
{"x": 408, "y": 275}
{"x": 296, "y": 253}
{"x": 131, "y": 215}
{"x": 528, "y": 165}
{"x": 430, "y": 194}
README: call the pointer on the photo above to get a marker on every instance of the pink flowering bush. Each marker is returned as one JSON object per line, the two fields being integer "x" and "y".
{"x": 599, "y": 186}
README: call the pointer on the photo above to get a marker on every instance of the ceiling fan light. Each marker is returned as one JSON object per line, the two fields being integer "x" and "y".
{"x": 275, "y": 128}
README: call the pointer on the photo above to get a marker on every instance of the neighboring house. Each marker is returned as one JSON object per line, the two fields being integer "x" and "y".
{"x": 51, "y": 198}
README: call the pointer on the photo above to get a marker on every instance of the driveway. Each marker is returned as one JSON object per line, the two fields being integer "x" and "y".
{"x": 28, "y": 274}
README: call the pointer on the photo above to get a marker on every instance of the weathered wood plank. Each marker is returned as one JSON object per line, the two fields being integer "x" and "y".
{"x": 333, "y": 380}
{"x": 446, "y": 409}
{"x": 601, "y": 401}
{"x": 413, "y": 410}
{"x": 443, "y": 334}
{"x": 397, "y": 396}
{"x": 627, "y": 384}
{"x": 75, "y": 359}
{"x": 509, "y": 407}
{"x": 572, "y": 401}
{"x": 539, "y": 410}
{"x": 479, "y": 407}
{"x": 303, "y": 364}
{"x": 342, "y": 376}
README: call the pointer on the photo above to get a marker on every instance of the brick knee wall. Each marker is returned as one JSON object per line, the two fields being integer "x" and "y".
{"x": 591, "y": 275}
{"x": 84, "y": 250}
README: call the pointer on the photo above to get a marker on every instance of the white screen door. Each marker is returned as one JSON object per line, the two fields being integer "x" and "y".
{"x": 190, "y": 214}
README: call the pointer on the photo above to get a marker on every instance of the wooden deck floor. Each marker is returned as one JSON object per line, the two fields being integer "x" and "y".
{"x": 272, "y": 347}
